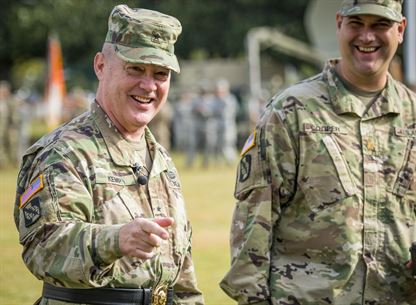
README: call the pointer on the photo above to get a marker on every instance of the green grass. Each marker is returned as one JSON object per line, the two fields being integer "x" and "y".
{"x": 208, "y": 193}
{"x": 17, "y": 285}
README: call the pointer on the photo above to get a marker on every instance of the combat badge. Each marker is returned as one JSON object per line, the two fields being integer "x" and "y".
{"x": 251, "y": 142}
{"x": 31, "y": 212}
{"x": 173, "y": 179}
{"x": 33, "y": 188}
{"x": 245, "y": 168}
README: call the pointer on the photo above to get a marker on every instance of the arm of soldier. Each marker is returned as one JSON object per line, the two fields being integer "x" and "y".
{"x": 60, "y": 242}
{"x": 261, "y": 181}
{"x": 186, "y": 290}
{"x": 250, "y": 238}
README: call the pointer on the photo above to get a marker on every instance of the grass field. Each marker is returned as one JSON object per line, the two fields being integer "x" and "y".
{"x": 208, "y": 194}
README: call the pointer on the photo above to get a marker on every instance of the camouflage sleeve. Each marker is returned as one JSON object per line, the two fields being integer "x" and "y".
{"x": 264, "y": 181}
{"x": 186, "y": 291}
{"x": 54, "y": 216}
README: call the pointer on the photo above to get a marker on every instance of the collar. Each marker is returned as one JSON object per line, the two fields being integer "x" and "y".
{"x": 120, "y": 150}
{"x": 343, "y": 101}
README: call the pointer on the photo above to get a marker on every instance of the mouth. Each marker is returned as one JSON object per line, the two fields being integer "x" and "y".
{"x": 367, "y": 49}
{"x": 142, "y": 99}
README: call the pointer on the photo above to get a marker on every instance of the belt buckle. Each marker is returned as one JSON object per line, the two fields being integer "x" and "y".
{"x": 160, "y": 295}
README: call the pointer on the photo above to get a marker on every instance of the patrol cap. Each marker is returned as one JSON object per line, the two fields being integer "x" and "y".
{"x": 144, "y": 36}
{"x": 390, "y": 9}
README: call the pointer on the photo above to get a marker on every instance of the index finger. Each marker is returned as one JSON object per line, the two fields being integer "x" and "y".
{"x": 152, "y": 227}
{"x": 164, "y": 221}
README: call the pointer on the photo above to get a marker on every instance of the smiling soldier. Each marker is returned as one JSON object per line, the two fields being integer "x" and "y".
{"x": 326, "y": 186}
{"x": 99, "y": 206}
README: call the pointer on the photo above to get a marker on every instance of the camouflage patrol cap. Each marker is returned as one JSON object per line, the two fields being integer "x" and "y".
{"x": 390, "y": 9}
{"x": 144, "y": 36}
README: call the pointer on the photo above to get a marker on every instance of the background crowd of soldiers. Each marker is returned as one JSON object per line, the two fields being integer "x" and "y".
{"x": 14, "y": 113}
{"x": 207, "y": 124}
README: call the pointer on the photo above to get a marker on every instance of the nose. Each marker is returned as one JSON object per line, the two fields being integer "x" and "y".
{"x": 367, "y": 35}
{"x": 147, "y": 83}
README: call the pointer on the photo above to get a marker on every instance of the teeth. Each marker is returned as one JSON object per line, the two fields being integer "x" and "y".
{"x": 367, "y": 50}
{"x": 142, "y": 99}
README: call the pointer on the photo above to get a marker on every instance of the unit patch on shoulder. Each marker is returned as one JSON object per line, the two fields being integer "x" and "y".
{"x": 33, "y": 188}
{"x": 31, "y": 212}
{"x": 245, "y": 168}
{"x": 250, "y": 142}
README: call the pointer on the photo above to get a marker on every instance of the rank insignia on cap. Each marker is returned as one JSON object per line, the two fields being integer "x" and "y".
{"x": 250, "y": 142}
{"x": 33, "y": 188}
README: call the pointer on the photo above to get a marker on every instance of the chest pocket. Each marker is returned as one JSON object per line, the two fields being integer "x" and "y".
{"x": 325, "y": 178}
{"x": 341, "y": 165}
{"x": 405, "y": 183}
{"x": 117, "y": 199}
{"x": 399, "y": 209}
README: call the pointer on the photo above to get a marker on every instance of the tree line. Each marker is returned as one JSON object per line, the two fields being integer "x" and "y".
{"x": 211, "y": 29}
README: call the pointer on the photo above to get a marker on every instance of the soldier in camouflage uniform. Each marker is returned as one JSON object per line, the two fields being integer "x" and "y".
{"x": 326, "y": 185}
{"x": 99, "y": 206}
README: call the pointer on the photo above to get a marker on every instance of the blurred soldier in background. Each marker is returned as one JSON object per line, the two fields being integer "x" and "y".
{"x": 161, "y": 126}
{"x": 99, "y": 206}
{"x": 326, "y": 185}
{"x": 25, "y": 114}
{"x": 12, "y": 125}
{"x": 256, "y": 107}
{"x": 206, "y": 114}
{"x": 4, "y": 96}
{"x": 227, "y": 105}
{"x": 183, "y": 123}
{"x": 75, "y": 103}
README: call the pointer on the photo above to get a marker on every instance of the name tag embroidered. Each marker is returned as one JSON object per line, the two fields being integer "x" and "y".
{"x": 328, "y": 129}
{"x": 405, "y": 132}
{"x": 33, "y": 188}
{"x": 116, "y": 180}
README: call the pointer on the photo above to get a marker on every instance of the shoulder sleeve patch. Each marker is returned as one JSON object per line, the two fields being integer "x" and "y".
{"x": 249, "y": 175}
{"x": 244, "y": 168}
{"x": 250, "y": 143}
{"x": 33, "y": 188}
{"x": 31, "y": 212}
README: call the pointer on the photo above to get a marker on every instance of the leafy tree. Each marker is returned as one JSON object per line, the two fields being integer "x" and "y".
{"x": 213, "y": 28}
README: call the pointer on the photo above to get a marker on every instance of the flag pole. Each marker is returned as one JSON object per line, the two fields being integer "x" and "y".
{"x": 55, "y": 86}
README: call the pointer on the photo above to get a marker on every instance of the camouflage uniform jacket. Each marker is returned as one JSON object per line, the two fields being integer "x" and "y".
{"x": 76, "y": 188}
{"x": 326, "y": 199}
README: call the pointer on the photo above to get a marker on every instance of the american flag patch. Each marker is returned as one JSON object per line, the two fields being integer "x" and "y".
{"x": 34, "y": 187}
{"x": 250, "y": 142}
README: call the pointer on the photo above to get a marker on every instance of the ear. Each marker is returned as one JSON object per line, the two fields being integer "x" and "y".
{"x": 99, "y": 65}
{"x": 400, "y": 28}
{"x": 338, "y": 21}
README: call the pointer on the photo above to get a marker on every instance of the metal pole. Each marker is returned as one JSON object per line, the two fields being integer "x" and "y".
{"x": 410, "y": 43}
{"x": 253, "y": 50}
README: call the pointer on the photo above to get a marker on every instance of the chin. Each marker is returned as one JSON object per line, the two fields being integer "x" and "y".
{"x": 370, "y": 69}
{"x": 143, "y": 120}
{"x": 365, "y": 68}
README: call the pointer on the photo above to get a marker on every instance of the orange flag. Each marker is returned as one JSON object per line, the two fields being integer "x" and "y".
{"x": 55, "y": 86}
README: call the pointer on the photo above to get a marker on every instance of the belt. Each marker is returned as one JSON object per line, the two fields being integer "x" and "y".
{"x": 160, "y": 295}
